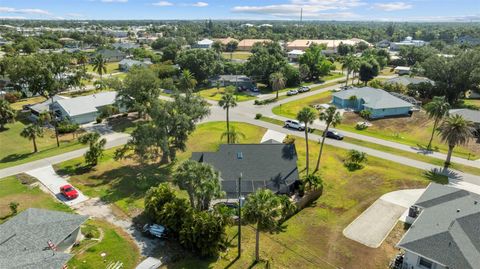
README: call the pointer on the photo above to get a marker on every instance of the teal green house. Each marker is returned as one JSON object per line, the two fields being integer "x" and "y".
{"x": 380, "y": 103}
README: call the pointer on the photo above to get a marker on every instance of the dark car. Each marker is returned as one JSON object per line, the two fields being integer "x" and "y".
{"x": 335, "y": 135}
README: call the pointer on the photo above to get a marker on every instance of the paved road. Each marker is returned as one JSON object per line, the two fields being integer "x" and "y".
{"x": 113, "y": 140}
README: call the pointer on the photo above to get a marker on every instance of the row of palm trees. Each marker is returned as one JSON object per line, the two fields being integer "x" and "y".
{"x": 307, "y": 115}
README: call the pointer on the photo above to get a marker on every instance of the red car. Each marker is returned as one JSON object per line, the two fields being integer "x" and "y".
{"x": 69, "y": 192}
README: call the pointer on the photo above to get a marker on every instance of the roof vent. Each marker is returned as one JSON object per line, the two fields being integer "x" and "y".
{"x": 475, "y": 202}
{"x": 240, "y": 155}
{"x": 458, "y": 210}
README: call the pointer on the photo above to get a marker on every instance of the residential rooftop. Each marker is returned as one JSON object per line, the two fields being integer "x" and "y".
{"x": 373, "y": 98}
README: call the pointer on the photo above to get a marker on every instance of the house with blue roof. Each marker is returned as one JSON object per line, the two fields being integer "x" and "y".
{"x": 380, "y": 103}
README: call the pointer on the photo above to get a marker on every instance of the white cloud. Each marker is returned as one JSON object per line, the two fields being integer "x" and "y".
{"x": 393, "y": 6}
{"x": 114, "y": 1}
{"x": 163, "y": 4}
{"x": 200, "y": 4}
{"x": 35, "y": 11}
{"x": 311, "y": 8}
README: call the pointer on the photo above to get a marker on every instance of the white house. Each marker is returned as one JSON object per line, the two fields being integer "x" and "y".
{"x": 83, "y": 109}
{"x": 409, "y": 41}
{"x": 126, "y": 64}
{"x": 204, "y": 44}
{"x": 294, "y": 55}
{"x": 445, "y": 230}
{"x": 402, "y": 70}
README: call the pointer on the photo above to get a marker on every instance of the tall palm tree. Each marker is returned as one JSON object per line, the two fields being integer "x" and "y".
{"x": 277, "y": 80}
{"x": 7, "y": 113}
{"x": 437, "y": 109}
{"x": 233, "y": 135}
{"x": 265, "y": 209}
{"x": 349, "y": 63}
{"x": 307, "y": 115}
{"x": 228, "y": 101}
{"x": 332, "y": 118}
{"x": 100, "y": 65}
{"x": 31, "y": 132}
{"x": 454, "y": 131}
{"x": 187, "y": 82}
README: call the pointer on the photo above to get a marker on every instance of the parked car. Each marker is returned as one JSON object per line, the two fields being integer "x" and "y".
{"x": 335, "y": 135}
{"x": 69, "y": 192}
{"x": 155, "y": 230}
{"x": 292, "y": 92}
{"x": 241, "y": 89}
{"x": 294, "y": 124}
{"x": 304, "y": 89}
{"x": 255, "y": 89}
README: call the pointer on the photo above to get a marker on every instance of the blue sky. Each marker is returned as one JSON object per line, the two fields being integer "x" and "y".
{"x": 383, "y": 10}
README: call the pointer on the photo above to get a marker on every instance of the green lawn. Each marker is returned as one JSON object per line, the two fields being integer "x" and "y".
{"x": 27, "y": 101}
{"x": 472, "y": 102}
{"x": 12, "y": 190}
{"x": 116, "y": 244}
{"x": 414, "y": 131}
{"x": 387, "y": 71}
{"x": 237, "y": 55}
{"x": 313, "y": 238}
{"x": 291, "y": 109}
{"x": 125, "y": 182}
{"x": 18, "y": 150}
{"x": 112, "y": 67}
{"x": 407, "y": 154}
{"x": 216, "y": 94}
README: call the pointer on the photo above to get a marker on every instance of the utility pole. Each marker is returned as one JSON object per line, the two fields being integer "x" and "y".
{"x": 240, "y": 216}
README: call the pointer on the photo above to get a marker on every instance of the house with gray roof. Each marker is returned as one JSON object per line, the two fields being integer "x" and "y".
{"x": 234, "y": 80}
{"x": 84, "y": 109}
{"x": 406, "y": 80}
{"x": 126, "y": 64}
{"x": 24, "y": 239}
{"x": 267, "y": 165}
{"x": 468, "y": 114}
{"x": 42, "y": 107}
{"x": 111, "y": 55}
{"x": 445, "y": 232}
{"x": 379, "y": 102}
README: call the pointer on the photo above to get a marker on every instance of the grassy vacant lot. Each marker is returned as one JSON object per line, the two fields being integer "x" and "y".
{"x": 291, "y": 109}
{"x": 12, "y": 190}
{"x": 118, "y": 246}
{"x": 216, "y": 94}
{"x": 125, "y": 182}
{"x": 237, "y": 55}
{"x": 472, "y": 102}
{"x": 17, "y": 150}
{"x": 387, "y": 71}
{"x": 27, "y": 101}
{"x": 313, "y": 238}
{"x": 414, "y": 131}
{"x": 111, "y": 68}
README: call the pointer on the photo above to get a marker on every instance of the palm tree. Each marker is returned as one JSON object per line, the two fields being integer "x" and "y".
{"x": 349, "y": 63}
{"x": 265, "y": 209}
{"x": 187, "y": 82}
{"x": 82, "y": 59}
{"x": 233, "y": 136}
{"x": 31, "y": 132}
{"x": 307, "y": 115}
{"x": 228, "y": 101}
{"x": 277, "y": 80}
{"x": 100, "y": 65}
{"x": 332, "y": 118}
{"x": 7, "y": 113}
{"x": 437, "y": 109}
{"x": 455, "y": 130}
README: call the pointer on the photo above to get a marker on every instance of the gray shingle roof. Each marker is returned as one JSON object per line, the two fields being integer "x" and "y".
{"x": 88, "y": 103}
{"x": 272, "y": 166}
{"x": 406, "y": 80}
{"x": 23, "y": 238}
{"x": 373, "y": 98}
{"x": 447, "y": 229}
{"x": 468, "y": 114}
{"x": 45, "y": 105}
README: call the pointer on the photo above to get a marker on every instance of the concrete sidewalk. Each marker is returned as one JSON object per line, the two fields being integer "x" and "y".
{"x": 53, "y": 182}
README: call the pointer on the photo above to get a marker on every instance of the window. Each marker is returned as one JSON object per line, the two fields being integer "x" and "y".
{"x": 425, "y": 263}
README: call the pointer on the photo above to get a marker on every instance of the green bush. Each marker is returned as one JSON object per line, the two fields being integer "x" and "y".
{"x": 65, "y": 127}
{"x": 258, "y": 116}
{"x": 290, "y": 139}
{"x": 99, "y": 120}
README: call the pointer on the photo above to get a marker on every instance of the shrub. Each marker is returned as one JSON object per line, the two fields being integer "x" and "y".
{"x": 366, "y": 114}
{"x": 13, "y": 207}
{"x": 264, "y": 102}
{"x": 361, "y": 126}
{"x": 258, "y": 116}
{"x": 290, "y": 139}
{"x": 10, "y": 97}
{"x": 99, "y": 119}
{"x": 355, "y": 160}
{"x": 65, "y": 127}
{"x": 108, "y": 111}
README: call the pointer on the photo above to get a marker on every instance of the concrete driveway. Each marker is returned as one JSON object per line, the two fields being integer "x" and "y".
{"x": 375, "y": 223}
{"x": 47, "y": 176}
